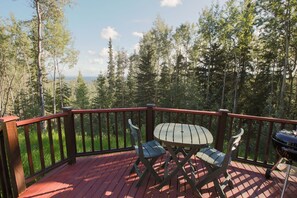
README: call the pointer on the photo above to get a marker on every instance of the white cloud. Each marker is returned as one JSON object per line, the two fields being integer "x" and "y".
{"x": 109, "y": 32}
{"x": 91, "y": 52}
{"x": 96, "y": 61}
{"x": 103, "y": 53}
{"x": 138, "y": 34}
{"x": 170, "y": 3}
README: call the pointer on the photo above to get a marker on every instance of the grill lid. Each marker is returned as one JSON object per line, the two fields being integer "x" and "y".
{"x": 287, "y": 137}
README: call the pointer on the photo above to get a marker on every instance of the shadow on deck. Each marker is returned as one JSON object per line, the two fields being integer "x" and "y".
{"x": 108, "y": 176}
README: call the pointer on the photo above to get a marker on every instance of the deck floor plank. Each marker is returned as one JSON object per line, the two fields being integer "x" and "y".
{"x": 108, "y": 176}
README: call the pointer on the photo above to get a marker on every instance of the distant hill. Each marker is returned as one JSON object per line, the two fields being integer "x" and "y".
{"x": 88, "y": 79}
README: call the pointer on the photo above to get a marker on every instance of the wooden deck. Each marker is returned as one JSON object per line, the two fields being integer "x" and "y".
{"x": 108, "y": 176}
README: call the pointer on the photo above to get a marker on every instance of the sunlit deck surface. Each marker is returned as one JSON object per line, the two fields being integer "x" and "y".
{"x": 108, "y": 176}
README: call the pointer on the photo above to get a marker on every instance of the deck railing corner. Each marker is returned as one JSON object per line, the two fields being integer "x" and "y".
{"x": 16, "y": 181}
{"x": 70, "y": 135}
{"x": 222, "y": 123}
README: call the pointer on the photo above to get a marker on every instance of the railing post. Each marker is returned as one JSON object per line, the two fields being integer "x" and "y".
{"x": 222, "y": 123}
{"x": 150, "y": 121}
{"x": 13, "y": 153}
{"x": 70, "y": 135}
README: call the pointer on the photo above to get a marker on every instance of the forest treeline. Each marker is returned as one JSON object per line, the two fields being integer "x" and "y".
{"x": 239, "y": 56}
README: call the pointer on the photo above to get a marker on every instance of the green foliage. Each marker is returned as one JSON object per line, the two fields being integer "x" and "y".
{"x": 240, "y": 56}
{"x": 120, "y": 85}
{"x": 101, "y": 99}
{"x": 81, "y": 93}
{"x": 35, "y": 149}
{"x": 146, "y": 77}
{"x": 111, "y": 74}
{"x": 63, "y": 94}
{"x": 131, "y": 81}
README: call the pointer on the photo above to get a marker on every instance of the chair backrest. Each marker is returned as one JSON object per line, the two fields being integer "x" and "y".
{"x": 232, "y": 145}
{"x": 135, "y": 137}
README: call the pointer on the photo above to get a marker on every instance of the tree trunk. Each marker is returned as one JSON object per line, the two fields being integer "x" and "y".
{"x": 223, "y": 91}
{"x": 234, "y": 110}
{"x": 39, "y": 64}
{"x": 54, "y": 84}
{"x": 61, "y": 90}
{"x": 283, "y": 87}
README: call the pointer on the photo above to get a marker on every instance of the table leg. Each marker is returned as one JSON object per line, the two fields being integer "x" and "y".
{"x": 180, "y": 165}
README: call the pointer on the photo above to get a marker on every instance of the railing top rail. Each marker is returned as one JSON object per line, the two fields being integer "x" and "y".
{"x": 78, "y": 111}
{"x": 259, "y": 118}
{"x": 40, "y": 119}
{"x": 213, "y": 113}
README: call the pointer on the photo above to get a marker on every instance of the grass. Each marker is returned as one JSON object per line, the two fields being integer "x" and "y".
{"x": 35, "y": 150}
{"x": 33, "y": 138}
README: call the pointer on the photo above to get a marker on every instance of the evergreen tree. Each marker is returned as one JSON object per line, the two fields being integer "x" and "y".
{"x": 101, "y": 99}
{"x": 120, "y": 86}
{"x": 210, "y": 60}
{"x": 131, "y": 81}
{"x": 165, "y": 96}
{"x": 63, "y": 94}
{"x": 111, "y": 74}
{"x": 81, "y": 93}
{"x": 146, "y": 77}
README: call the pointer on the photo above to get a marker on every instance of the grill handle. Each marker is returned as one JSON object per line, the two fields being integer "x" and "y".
{"x": 286, "y": 149}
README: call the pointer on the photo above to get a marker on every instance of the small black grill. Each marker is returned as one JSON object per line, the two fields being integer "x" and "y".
{"x": 285, "y": 144}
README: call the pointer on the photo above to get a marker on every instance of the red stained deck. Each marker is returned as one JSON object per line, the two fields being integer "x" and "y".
{"x": 108, "y": 176}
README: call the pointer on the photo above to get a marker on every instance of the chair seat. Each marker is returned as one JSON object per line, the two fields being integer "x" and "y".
{"x": 151, "y": 149}
{"x": 211, "y": 156}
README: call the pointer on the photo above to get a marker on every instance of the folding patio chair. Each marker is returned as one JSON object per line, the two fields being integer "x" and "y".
{"x": 217, "y": 163}
{"x": 147, "y": 153}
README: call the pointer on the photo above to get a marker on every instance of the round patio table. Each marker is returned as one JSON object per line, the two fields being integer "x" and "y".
{"x": 176, "y": 137}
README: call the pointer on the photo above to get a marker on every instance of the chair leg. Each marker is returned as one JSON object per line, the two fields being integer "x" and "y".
{"x": 205, "y": 180}
{"x": 165, "y": 166}
{"x": 228, "y": 178}
{"x": 218, "y": 187}
{"x": 212, "y": 174}
{"x": 152, "y": 170}
{"x": 148, "y": 168}
{"x": 134, "y": 166}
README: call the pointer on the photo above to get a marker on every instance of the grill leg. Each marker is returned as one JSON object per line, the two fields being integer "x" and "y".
{"x": 286, "y": 180}
{"x": 268, "y": 171}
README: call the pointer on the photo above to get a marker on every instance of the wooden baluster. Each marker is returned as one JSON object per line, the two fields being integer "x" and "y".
{"x": 82, "y": 131}
{"x": 92, "y": 132}
{"x": 108, "y": 130}
{"x": 100, "y": 131}
{"x": 116, "y": 129}
{"x": 60, "y": 139}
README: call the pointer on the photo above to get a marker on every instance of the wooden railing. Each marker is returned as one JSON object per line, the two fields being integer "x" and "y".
{"x": 101, "y": 131}
{"x": 39, "y": 141}
{"x": 256, "y": 147}
{"x": 97, "y": 131}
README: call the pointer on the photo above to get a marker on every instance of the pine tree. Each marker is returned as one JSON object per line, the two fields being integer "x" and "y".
{"x": 81, "y": 93}
{"x": 146, "y": 77}
{"x": 111, "y": 74}
{"x": 120, "y": 86}
{"x": 101, "y": 99}
{"x": 130, "y": 94}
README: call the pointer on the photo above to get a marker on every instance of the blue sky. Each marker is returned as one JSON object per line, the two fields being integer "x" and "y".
{"x": 92, "y": 22}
